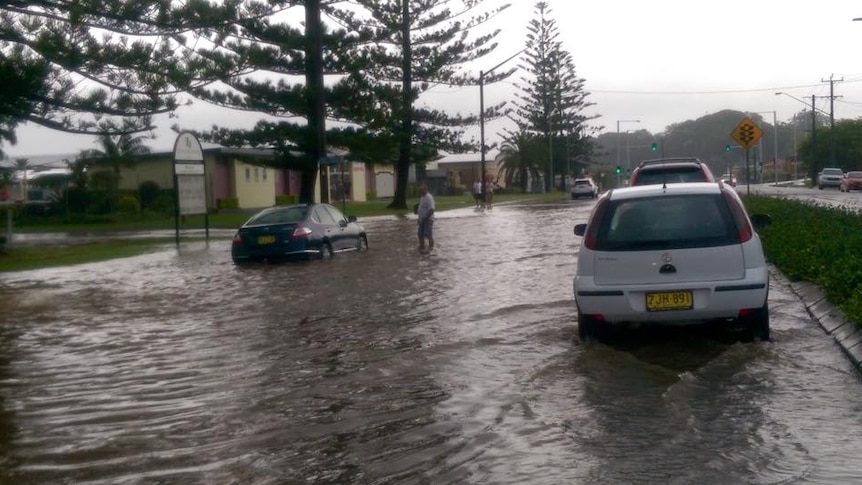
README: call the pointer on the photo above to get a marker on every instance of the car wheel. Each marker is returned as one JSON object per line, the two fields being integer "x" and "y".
{"x": 326, "y": 251}
{"x": 820, "y": 187}
{"x": 756, "y": 325}
{"x": 362, "y": 243}
{"x": 588, "y": 328}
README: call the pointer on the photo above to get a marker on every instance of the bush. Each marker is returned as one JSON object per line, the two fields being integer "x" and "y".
{"x": 227, "y": 203}
{"x": 286, "y": 199}
{"x": 128, "y": 205}
{"x": 816, "y": 243}
{"x": 148, "y": 192}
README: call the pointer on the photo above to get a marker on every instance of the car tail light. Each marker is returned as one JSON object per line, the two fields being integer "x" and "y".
{"x": 743, "y": 227}
{"x": 745, "y": 312}
{"x": 237, "y": 240}
{"x": 591, "y": 237}
{"x": 300, "y": 232}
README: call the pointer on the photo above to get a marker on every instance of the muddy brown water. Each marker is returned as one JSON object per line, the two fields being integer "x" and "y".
{"x": 388, "y": 366}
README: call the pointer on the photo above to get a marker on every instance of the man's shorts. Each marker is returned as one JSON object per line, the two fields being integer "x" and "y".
{"x": 426, "y": 228}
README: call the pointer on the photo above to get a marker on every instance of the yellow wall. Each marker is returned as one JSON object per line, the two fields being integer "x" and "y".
{"x": 254, "y": 185}
{"x": 358, "y": 190}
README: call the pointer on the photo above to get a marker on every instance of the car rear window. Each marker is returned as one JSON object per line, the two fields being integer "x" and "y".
{"x": 669, "y": 175}
{"x": 279, "y": 216}
{"x": 672, "y": 222}
{"x": 854, "y": 175}
{"x": 832, "y": 171}
{"x": 582, "y": 182}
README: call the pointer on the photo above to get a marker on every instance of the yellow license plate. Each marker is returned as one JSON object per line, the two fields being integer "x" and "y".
{"x": 669, "y": 300}
{"x": 270, "y": 239}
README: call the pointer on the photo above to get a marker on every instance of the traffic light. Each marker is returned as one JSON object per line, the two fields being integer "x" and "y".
{"x": 727, "y": 148}
{"x": 619, "y": 170}
{"x": 654, "y": 147}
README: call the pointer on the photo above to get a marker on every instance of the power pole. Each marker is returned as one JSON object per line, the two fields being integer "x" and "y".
{"x": 832, "y": 97}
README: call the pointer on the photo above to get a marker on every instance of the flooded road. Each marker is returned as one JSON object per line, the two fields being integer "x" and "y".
{"x": 388, "y": 367}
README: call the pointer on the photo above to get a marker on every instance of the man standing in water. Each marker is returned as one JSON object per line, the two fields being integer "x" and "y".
{"x": 426, "y": 218}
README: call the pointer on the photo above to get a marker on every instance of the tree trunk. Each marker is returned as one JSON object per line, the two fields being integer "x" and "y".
{"x": 402, "y": 169}
{"x": 316, "y": 141}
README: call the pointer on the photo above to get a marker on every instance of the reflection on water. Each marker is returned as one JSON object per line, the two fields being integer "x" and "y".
{"x": 389, "y": 366}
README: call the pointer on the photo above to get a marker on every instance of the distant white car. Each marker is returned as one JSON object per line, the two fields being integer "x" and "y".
{"x": 830, "y": 177}
{"x": 585, "y": 187}
{"x": 729, "y": 179}
{"x": 681, "y": 254}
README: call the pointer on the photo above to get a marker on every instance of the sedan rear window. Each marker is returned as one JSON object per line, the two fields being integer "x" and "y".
{"x": 291, "y": 215}
{"x": 673, "y": 222}
{"x": 854, "y": 175}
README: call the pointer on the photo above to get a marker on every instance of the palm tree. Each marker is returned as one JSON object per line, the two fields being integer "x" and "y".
{"x": 115, "y": 153}
{"x": 5, "y": 181}
{"x": 521, "y": 154}
{"x": 22, "y": 165}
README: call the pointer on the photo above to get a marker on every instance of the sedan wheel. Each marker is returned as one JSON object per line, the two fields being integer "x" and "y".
{"x": 326, "y": 251}
{"x": 362, "y": 243}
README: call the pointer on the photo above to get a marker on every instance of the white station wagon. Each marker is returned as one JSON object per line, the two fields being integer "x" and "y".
{"x": 675, "y": 254}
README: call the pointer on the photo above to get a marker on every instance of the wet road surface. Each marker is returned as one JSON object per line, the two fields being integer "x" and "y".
{"x": 388, "y": 366}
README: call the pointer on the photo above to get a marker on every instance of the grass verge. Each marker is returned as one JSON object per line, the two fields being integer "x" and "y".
{"x": 36, "y": 257}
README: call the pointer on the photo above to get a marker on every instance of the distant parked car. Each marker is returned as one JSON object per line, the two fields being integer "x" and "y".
{"x": 852, "y": 180}
{"x": 585, "y": 187}
{"x": 671, "y": 171}
{"x": 830, "y": 177}
{"x": 683, "y": 254}
{"x": 301, "y": 230}
{"x": 729, "y": 179}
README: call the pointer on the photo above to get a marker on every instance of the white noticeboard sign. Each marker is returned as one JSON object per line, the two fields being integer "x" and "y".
{"x": 190, "y": 175}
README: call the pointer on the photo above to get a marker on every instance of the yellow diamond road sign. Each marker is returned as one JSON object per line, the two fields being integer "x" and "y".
{"x": 746, "y": 133}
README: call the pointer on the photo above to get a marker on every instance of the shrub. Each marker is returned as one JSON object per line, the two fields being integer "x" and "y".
{"x": 128, "y": 205}
{"x": 227, "y": 203}
{"x": 286, "y": 199}
{"x": 148, "y": 192}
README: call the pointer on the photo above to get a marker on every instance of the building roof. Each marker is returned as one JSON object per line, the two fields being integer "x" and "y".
{"x": 471, "y": 157}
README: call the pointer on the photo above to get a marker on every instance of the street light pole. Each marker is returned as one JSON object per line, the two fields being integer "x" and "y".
{"x": 618, "y": 138}
{"x": 814, "y": 110}
{"x": 482, "y": 115}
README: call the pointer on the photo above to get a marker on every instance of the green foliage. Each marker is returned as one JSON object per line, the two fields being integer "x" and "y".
{"x": 49, "y": 47}
{"x": 552, "y": 98}
{"x": 286, "y": 199}
{"x": 817, "y": 243}
{"x": 371, "y": 195}
{"x": 148, "y": 191}
{"x": 227, "y": 203}
{"x": 128, "y": 205}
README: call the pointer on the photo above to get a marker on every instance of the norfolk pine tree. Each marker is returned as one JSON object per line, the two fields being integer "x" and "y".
{"x": 416, "y": 44}
{"x": 552, "y": 98}
{"x": 95, "y": 67}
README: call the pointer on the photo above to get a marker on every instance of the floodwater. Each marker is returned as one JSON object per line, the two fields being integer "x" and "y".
{"x": 391, "y": 367}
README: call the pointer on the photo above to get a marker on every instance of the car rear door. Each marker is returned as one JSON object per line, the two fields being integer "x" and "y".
{"x": 680, "y": 239}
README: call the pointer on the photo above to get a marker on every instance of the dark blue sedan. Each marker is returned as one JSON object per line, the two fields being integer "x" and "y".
{"x": 301, "y": 230}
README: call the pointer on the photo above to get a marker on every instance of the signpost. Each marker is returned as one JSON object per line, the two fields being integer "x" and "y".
{"x": 190, "y": 191}
{"x": 746, "y": 134}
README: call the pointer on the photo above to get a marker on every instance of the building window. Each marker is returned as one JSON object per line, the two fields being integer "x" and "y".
{"x": 264, "y": 173}
{"x": 247, "y": 174}
{"x": 255, "y": 174}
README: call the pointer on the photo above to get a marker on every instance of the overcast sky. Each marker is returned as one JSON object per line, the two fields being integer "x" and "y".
{"x": 660, "y": 62}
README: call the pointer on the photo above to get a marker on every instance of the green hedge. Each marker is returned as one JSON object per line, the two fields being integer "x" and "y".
{"x": 227, "y": 203}
{"x": 817, "y": 243}
{"x": 286, "y": 199}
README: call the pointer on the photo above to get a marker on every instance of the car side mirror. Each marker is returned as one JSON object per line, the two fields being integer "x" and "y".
{"x": 580, "y": 229}
{"x": 759, "y": 221}
{"x": 342, "y": 223}
{"x": 351, "y": 218}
